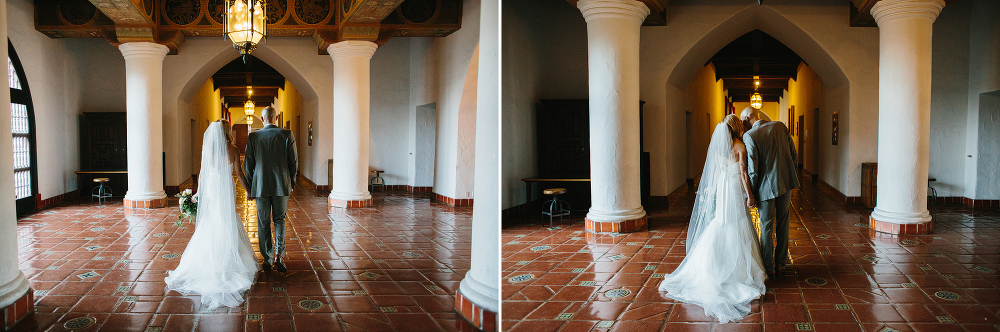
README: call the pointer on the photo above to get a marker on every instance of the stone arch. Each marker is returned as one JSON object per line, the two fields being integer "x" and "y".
{"x": 837, "y": 92}
{"x": 194, "y": 72}
{"x": 265, "y": 54}
{"x": 772, "y": 23}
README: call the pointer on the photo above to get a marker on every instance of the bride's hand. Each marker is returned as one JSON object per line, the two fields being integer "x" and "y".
{"x": 194, "y": 198}
{"x": 751, "y": 202}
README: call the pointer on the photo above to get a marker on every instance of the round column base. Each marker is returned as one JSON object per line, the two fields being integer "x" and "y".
{"x": 145, "y": 204}
{"x": 622, "y": 226}
{"x": 900, "y": 229}
{"x": 479, "y": 317}
{"x": 21, "y": 308}
{"x": 353, "y": 204}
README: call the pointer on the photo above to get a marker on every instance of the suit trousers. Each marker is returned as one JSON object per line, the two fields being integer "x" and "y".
{"x": 774, "y": 220}
{"x": 271, "y": 208}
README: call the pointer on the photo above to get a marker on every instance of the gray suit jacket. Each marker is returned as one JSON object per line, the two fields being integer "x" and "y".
{"x": 771, "y": 159}
{"x": 270, "y": 164}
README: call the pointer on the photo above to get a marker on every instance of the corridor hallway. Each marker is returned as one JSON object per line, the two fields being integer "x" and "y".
{"x": 843, "y": 277}
{"x": 395, "y": 266}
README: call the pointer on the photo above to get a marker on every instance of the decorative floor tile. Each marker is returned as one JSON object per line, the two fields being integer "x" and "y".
{"x": 617, "y": 293}
{"x": 946, "y": 295}
{"x": 79, "y": 323}
{"x": 839, "y": 272}
{"x": 310, "y": 304}
{"x": 418, "y": 251}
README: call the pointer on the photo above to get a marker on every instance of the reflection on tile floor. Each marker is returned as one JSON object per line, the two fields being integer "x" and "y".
{"x": 395, "y": 266}
{"x": 845, "y": 277}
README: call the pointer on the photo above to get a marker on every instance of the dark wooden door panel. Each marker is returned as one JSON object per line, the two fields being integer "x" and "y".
{"x": 103, "y": 141}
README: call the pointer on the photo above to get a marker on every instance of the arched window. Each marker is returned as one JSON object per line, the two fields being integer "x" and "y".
{"x": 22, "y": 119}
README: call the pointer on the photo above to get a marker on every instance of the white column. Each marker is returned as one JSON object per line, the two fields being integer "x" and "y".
{"x": 481, "y": 286}
{"x": 144, "y": 107}
{"x": 351, "y": 97}
{"x": 14, "y": 287}
{"x": 905, "y": 29}
{"x": 613, "y": 57}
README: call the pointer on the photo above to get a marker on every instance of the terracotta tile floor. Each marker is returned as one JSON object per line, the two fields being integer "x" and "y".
{"x": 844, "y": 277}
{"x": 395, "y": 266}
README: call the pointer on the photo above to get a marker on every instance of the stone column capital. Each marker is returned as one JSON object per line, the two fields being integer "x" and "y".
{"x": 143, "y": 50}
{"x": 888, "y": 10}
{"x": 623, "y": 9}
{"x": 352, "y": 48}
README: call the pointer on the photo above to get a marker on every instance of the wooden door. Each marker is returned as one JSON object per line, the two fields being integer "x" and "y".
{"x": 103, "y": 142}
{"x": 240, "y": 134}
{"x": 563, "y": 138}
{"x": 802, "y": 141}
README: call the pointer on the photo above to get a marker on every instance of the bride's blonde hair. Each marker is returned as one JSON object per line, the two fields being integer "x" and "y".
{"x": 227, "y": 129}
{"x": 735, "y": 126}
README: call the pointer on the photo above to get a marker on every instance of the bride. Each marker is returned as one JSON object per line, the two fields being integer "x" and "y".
{"x": 722, "y": 271}
{"x": 218, "y": 262}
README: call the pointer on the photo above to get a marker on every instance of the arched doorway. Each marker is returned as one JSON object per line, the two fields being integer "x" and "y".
{"x": 22, "y": 115}
{"x": 839, "y": 70}
{"x": 754, "y": 63}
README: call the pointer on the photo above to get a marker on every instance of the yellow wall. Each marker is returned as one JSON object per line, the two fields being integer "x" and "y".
{"x": 704, "y": 105}
{"x": 805, "y": 94}
{"x": 768, "y": 107}
{"x": 290, "y": 104}
{"x": 206, "y": 106}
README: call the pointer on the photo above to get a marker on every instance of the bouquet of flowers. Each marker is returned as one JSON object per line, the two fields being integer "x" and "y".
{"x": 188, "y": 205}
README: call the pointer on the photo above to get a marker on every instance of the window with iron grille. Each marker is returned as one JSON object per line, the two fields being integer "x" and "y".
{"x": 22, "y": 130}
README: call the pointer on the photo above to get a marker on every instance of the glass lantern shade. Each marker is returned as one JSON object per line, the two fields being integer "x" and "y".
{"x": 756, "y": 101}
{"x": 246, "y": 26}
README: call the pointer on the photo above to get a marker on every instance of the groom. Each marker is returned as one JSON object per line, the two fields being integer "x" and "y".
{"x": 271, "y": 167}
{"x": 771, "y": 165}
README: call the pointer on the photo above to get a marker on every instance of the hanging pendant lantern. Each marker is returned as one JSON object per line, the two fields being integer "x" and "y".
{"x": 248, "y": 109}
{"x": 755, "y": 99}
{"x": 246, "y": 24}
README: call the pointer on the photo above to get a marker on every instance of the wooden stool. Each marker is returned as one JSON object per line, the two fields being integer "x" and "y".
{"x": 555, "y": 207}
{"x": 101, "y": 192}
{"x": 377, "y": 180}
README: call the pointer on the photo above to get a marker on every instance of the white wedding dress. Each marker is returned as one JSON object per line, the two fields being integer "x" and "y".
{"x": 723, "y": 270}
{"x": 219, "y": 262}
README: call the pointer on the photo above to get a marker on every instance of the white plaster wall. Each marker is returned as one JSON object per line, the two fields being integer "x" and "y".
{"x": 984, "y": 76}
{"x": 389, "y": 110}
{"x": 522, "y": 60}
{"x": 439, "y": 68}
{"x": 949, "y": 98}
{"x": 53, "y": 71}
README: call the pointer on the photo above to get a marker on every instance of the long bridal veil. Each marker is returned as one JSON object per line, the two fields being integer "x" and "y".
{"x": 218, "y": 262}
{"x": 722, "y": 271}
{"x": 719, "y": 157}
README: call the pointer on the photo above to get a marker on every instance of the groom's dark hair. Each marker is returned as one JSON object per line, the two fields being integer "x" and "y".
{"x": 269, "y": 114}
